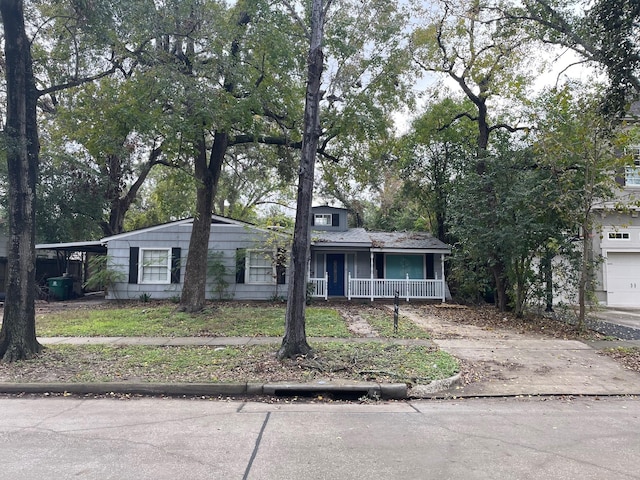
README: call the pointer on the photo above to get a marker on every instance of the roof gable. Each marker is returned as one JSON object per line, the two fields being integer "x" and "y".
{"x": 215, "y": 220}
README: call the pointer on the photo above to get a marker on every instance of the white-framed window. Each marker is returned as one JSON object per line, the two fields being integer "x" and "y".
{"x": 155, "y": 265}
{"x": 259, "y": 267}
{"x": 618, "y": 235}
{"x": 632, "y": 172}
{"x": 322, "y": 219}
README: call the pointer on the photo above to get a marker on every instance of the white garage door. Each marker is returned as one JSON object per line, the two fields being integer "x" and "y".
{"x": 623, "y": 279}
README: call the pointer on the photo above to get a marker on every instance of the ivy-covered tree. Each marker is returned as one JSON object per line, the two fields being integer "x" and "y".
{"x": 522, "y": 225}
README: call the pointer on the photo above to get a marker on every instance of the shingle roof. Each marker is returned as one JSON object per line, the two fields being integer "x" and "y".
{"x": 360, "y": 237}
{"x": 406, "y": 240}
{"x": 350, "y": 236}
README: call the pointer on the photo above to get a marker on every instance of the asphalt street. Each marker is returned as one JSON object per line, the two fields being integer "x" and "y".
{"x": 154, "y": 438}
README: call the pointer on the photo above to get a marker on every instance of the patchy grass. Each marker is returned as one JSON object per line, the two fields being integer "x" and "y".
{"x": 164, "y": 321}
{"x": 108, "y": 363}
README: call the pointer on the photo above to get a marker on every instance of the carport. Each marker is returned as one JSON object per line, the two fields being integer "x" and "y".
{"x": 67, "y": 259}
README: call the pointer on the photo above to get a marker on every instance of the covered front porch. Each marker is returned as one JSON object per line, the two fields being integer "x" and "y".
{"x": 378, "y": 273}
{"x": 375, "y": 288}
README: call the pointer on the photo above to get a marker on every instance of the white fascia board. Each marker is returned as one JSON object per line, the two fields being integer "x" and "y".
{"x": 54, "y": 246}
{"x": 145, "y": 230}
{"x": 410, "y": 250}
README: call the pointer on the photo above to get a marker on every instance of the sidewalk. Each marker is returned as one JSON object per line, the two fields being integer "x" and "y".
{"x": 215, "y": 341}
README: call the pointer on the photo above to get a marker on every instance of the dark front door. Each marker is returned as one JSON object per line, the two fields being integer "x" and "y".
{"x": 335, "y": 270}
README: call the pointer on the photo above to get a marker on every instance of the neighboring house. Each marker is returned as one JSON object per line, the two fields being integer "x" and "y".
{"x": 354, "y": 263}
{"x": 345, "y": 262}
{"x": 617, "y": 239}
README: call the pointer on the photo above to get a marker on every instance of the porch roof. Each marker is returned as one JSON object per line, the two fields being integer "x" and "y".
{"x": 380, "y": 241}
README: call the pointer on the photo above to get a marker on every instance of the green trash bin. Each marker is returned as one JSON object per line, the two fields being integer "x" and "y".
{"x": 60, "y": 287}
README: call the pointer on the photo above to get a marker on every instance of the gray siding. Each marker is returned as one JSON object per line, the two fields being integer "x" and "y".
{"x": 226, "y": 238}
{"x": 342, "y": 219}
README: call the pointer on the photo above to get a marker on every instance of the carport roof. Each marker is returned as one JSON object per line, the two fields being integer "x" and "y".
{"x": 90, "y": 247}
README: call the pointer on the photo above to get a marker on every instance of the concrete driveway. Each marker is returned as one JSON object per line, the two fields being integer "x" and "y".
{"x": 503, "y": 362}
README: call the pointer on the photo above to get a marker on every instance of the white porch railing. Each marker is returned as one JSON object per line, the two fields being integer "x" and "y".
{"x": 386, "y": 288}
{"x": 373, "y": 288}
{"x": 319, "y": 286}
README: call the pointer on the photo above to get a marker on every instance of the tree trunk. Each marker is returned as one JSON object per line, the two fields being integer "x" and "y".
{"x": 585, "y": 271}
{"x": 502, "y": 297}
{"x": 546, "y": 266}
{"x": 294, "y": 342}
{"x": 194, "y": 290}
{"x": 18, "y": 335}
{"x": 119, "y": 202}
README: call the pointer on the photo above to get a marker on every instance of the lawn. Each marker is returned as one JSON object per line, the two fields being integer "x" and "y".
{"x": 162, "y": 320}
{"x": 107, "y": 363}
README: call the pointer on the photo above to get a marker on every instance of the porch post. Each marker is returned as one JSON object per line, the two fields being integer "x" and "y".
{"x": 442, "y": 276}
{"x": 406, "y": 287}
{"x": 371, "y": 276}
{"x": 326, "y": 285}
{"x": 349, "y": 287}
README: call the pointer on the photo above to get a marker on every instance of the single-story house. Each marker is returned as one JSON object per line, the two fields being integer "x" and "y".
{"x": 251, "y": 261}
{"x": 355, "y": 263}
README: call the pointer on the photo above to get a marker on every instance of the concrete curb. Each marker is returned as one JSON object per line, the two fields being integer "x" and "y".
{"x": 425, "y": 391}
{"x": 375, "y": 390}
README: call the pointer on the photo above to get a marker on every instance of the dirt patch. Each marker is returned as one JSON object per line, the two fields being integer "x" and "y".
{"x": 457, "y": 321}
{"x": 356, "y": 324}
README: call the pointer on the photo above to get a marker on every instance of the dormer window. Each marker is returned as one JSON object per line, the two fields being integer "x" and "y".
{"x": 632, "y": 173}
{"x": 329, "y": 219}
{"x": 322, "y": 219}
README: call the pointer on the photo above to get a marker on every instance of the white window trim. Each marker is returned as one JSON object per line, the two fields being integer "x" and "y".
{"x": 611, "y": 235}
{"x": 141, "y": 266}
{"x": 326, "y": 219}
{"x": 248, "y": 267}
